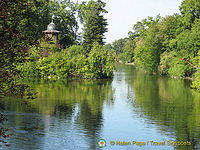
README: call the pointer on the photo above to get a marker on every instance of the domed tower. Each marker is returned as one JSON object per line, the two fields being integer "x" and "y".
{"x": 51, "y": 32}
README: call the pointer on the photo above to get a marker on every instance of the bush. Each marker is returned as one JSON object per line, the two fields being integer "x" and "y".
{"x": 75, "y": 50}
{"x": 71, "y": 62}
{"x": 177, "y": 68}
{"x": 101, "y": 63}
{"x": 196, "y": 81}
{"x": 165, "y": 60}
{"x": 127, "y": 55}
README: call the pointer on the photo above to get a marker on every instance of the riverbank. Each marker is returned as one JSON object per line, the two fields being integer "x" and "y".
{"x": 72, "y": 62}
{"x": 192, "y": 79}
{"x": 132, "y": 103}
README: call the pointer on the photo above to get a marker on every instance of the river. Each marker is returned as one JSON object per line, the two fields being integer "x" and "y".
{"x": 131, "y": 111}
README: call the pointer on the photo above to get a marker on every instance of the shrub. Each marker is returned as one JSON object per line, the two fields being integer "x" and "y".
{"x": 101, "y": 63}
{"x": 165, "y": 60}
{"x": 196, "y": 81}
{"x": 72, "y": 62}
{"x": 177, "y": 68}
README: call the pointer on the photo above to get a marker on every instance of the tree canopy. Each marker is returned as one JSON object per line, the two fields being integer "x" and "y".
{"x": 92, "y": 17}
{"x": 161, "y": 43}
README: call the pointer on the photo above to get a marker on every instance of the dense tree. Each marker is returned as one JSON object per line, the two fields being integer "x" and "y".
{"x": 168, "y": 29}
{"x": 161, "y": 43}
{"x": 22, "y": 49}
{"x": 64, "y": 12}
{"x": 141, "y": 27}
{"x": 128, "y": 51}
{"x": 118, "y": 45}
{"x": 17, "y": 34}
{"x": 148, "y": 46}
{"x": 196, "y": 82}
{"x": 22, "y": 23}
{"x": 71, "y": 62}
{"x": 94, "y": 23}
{"x": 190, "y": 10}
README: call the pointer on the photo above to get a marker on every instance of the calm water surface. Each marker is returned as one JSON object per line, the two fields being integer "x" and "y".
{"x": 133, "y": 106}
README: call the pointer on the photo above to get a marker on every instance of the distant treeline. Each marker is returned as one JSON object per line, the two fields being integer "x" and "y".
{"x": 169, "y": 45}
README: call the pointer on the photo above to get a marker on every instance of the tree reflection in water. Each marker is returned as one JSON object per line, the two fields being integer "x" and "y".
{"x": 169, "y": 103}
{"x": 80, "y": 102}
{"x": 70, "y": 110}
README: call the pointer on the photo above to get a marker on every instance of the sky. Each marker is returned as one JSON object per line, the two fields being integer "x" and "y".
{"x": 123, "y": 14}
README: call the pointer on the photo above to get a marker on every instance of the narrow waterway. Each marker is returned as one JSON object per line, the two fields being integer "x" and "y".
{"x": 131, "y": 111}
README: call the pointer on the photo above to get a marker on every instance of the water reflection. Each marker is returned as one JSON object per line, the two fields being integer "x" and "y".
{"x": 76, "y": 114}
{"x": 79, "y": 103}
{"x": 170, "y": 104}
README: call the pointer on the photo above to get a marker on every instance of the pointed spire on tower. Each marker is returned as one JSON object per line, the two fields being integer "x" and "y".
{"x": 53, "y": 16}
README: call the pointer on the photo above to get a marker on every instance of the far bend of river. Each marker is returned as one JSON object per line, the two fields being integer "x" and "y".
{"x": 133, "y": 106}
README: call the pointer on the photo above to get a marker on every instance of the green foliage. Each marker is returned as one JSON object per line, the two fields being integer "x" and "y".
{"x": 176, "y": 68}
{"x": 171, "y": 64}
{"x": 161, "y": 43}
{"x": 118, "y": 45}
{"x": 196, "y": 82}
{"x": 94, "y": 23}
{"x": 188, "y": 41}
{"x": 75, "y": 50}
{"x": 168, "y": 30}
{"x": 148, "y": 50}
{"x": 128, "y": 52}
{"x": 22, "y": 23}
{"x": 65, "y": 19}
{"x": 56, "y": 65}
{"x": 186, "y": 44}
{"x": 141, "y": 27}
{"x": 165, "y": 60}
{"x": 124, "y": 49}
{"x": 101, "y": 62}
{"x": 153, "y": 39}
{"x": 71, "y": 62}
{"x": 17, "y": 33}
{"x": 190, "y": 10}
{"x": 108, "y": 46}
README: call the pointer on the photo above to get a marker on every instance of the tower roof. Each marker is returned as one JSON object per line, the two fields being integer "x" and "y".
{"x": 51, "y": 28}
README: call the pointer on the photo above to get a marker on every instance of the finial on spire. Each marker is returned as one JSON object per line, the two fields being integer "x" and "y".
{"x": 53, "y": 16}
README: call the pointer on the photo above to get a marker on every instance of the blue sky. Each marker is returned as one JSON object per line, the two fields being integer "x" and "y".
{"x": 123, "y": 14}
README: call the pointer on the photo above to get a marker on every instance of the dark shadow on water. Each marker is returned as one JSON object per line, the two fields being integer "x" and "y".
{"x": 169, "y": 103}
{"x": 73, "y": 110}
{"x": 80, "y": 102}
